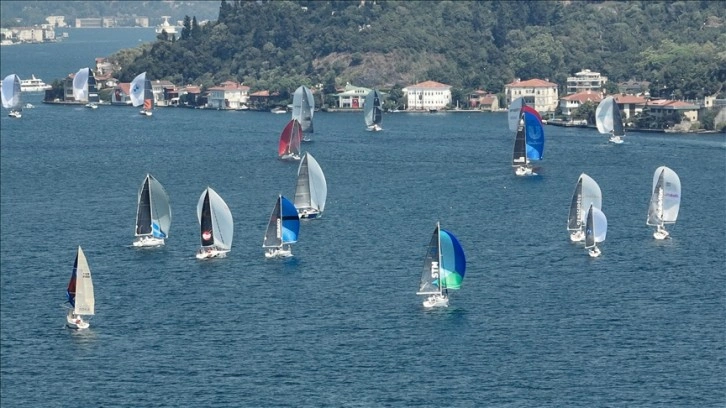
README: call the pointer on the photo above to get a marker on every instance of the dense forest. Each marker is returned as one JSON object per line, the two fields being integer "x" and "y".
{"x": 678, "y": 46}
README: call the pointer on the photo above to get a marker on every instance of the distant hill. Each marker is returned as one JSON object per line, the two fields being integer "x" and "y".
{"x": 16, "y": 13}
{"x": 680, "y": 47}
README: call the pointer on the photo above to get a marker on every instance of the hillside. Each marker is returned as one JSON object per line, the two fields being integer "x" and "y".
{"x": 680, "y": 47}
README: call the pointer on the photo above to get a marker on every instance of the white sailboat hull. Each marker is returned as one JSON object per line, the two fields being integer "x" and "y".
{"x": 308, "y": 213}
{"x": 616, "y": 139}
{"x": 374, "y": 128}
{"x": 436, "y": 301}
{"x": 594, "y": 252}
{"x": 290, "y": 157}
{"x": 577, "y": 236}
{"x": 76, "y": 322}
{"x": 145, "y": 113}
{"x": 284, "y": 252}
{"x": 15, "y": 114}
{"x": 148, "y": 241}
{"x": 522, "y": 171}
{"x": 208, "y": 253}
{"x": 660, "y": 233}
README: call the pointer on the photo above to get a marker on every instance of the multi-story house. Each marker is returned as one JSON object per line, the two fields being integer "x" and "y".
{"x": 585, "y": 80}
{"x": 427, "y": 95}
{"x": 570, "y": 103}
{"x": 352, "y": 96}
{"x": 229, "y": 95}
{"x": 538, "y": 93}
{"x": 484, "y": 100}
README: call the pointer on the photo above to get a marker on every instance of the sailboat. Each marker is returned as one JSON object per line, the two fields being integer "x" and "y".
{"x": 312, "y": 189}
{"x": 80, "y": 293}
{"x": 587, "y": 192}
{"x": 290, "y": 137}
{"x": 665, "y": 201}
{"x": 11, "y": 95}
{"x": 153, "y": 214}
{"x": 609, "y": 121}
{"x": 84, "y": 88}
{"x": 303, "y": 109}
{"x": 529, "y": 139}
{"x": 282, "y": 229}
{"x": 443, "y": 269}
{"x": 596, "y": 228}
{"x": 142, "y": 94}
{"x": 372, "y": 111}
{"x": 216, "y": 225}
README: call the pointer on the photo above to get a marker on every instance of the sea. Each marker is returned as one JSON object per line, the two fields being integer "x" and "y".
{"x": 537, "y": 322}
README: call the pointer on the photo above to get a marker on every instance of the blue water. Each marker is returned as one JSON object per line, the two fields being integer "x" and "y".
{"x": 537, "y": 322}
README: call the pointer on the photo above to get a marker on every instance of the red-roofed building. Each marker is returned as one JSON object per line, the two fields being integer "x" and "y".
{"x": 484, "y": 100}
{"x": 228, "y": 95}
{"x": 570, "y": 103}
{"x": 427, "y": 95}
{"x": 538, "y": 93}
{"x": 120, "y": 94}
{"x": 661, "y": 107}
{"x": 630, "y": 104}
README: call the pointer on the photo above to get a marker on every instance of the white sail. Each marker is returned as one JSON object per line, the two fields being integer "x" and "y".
{"x": 160, "y": 208}
{"x": 80, "y": 85}
{"x": 665, "y": 201}
{"x": 312, "y": 189}
{"x": 222, "y": 223}
{"x": 303, "y": 108}
{"x": 514, "y": 111}
{"x": 604, "y": 115}
{"x": 85, "y": 300}
{"x": 137, "y": 89}
{"x": 11, "y": 92}
{"x": 596, "y": 227}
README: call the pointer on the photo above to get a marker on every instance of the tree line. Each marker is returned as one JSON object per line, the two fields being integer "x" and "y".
{"x": 678, "y": 46}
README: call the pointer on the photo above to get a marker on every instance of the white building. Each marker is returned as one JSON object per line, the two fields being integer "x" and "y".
{"x": 352, "y": 97}
{"x": 540, "y": 94}
{"x": 585, "y": 80}
{"x": 229, "y": 95}
{"x": 427, "y": 95}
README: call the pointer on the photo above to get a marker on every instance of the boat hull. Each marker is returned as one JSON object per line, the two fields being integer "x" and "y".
{"x": 309, "y": 213}
{"x": 616, "y": 139}
{"x": 577, "y": 236}
{"x": 76, "y": 322}
{"x": 594, "y": 252}
{"x": 209, "y": 253}
{"x": 272, "y": 253}
{"x": 15, "y": 114}
{"x": 290, "y": 157}
{"x": 145, "y": 113}
{"x": 661, "y": 234}
{"x": 434, "y": 301}
{"x": 523, "y": 171}
{"x": 148, "y": 241}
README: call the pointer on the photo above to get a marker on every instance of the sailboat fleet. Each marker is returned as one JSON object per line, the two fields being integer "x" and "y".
{"x": 444, "y": 262}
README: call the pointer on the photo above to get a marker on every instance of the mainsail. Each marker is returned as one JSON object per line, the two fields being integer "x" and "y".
{"x": 444, "y": 264}
{"x": 290, "y": 139}
{"x": 80, "y": 287}
{"x": 372, "y": 108}
{"x": 608, "y": 118}
{"x": 312, "y": 189}
{"x": 303, "y": 108}
{"x": 665, "y": 201}
{"x": 596, "y": 227}
{"x": 215, "y": 220}
{"x": 587, "y": 192}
